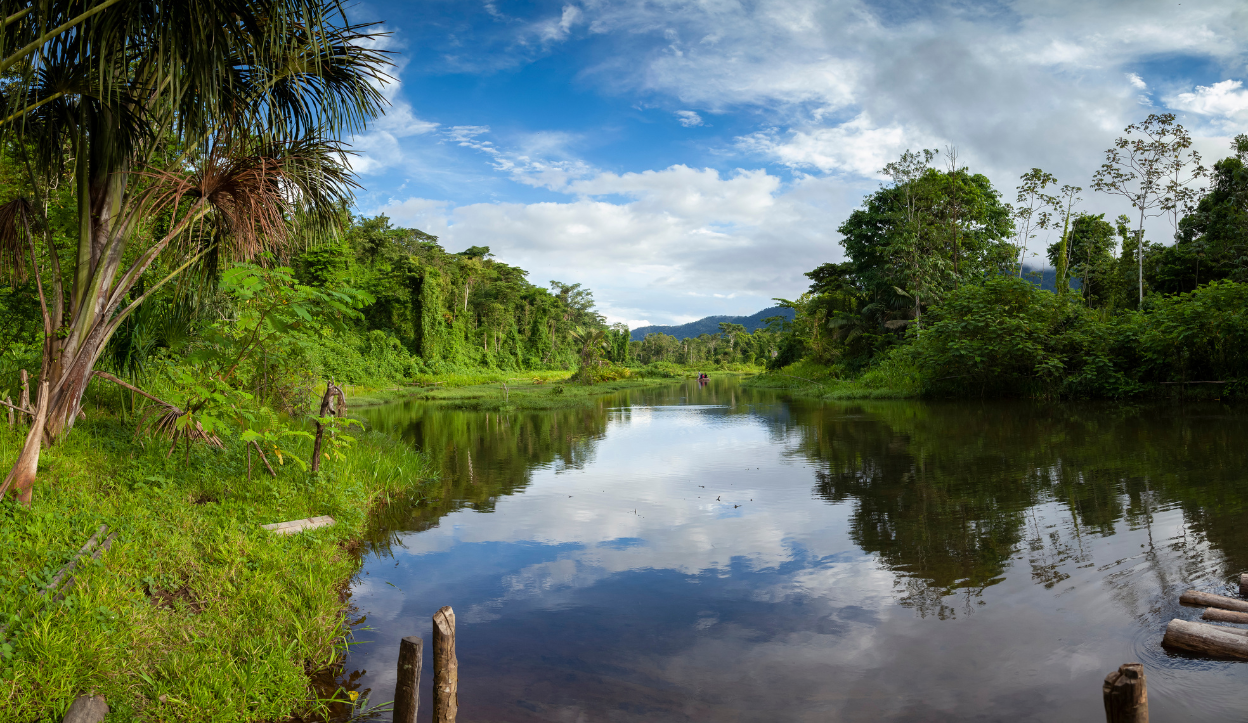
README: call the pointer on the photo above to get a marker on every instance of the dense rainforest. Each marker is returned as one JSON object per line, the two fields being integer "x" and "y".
{"x": 935, "y": 295}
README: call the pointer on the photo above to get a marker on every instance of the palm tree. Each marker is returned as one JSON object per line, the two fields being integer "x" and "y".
{"x": 191, "y": 130}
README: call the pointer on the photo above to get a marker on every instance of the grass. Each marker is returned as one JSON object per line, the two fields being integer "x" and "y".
{"x": 891, "y": 379}
{"x": 195, "y": 613}
{"x": 530, "y": 391}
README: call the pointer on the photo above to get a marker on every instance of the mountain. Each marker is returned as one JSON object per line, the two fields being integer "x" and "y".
{"x": 710, "y": 324}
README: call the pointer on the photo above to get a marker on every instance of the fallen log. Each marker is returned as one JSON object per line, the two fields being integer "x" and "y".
{"x": 1210, "y": 600}
{"x": 1212, "y": 640}
{"x": 1217, "y": 615}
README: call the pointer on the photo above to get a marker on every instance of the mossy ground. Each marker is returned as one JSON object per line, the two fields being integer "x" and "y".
{"x": 195, "y": 613}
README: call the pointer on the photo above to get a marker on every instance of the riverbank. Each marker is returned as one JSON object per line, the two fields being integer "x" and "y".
{"x": 816, "y": 381}
{"x": 530, "y": 391}
{"x": 196, "y": 613}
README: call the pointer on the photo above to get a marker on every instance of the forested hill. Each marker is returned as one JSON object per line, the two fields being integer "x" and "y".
{"x": 710, "y": 324}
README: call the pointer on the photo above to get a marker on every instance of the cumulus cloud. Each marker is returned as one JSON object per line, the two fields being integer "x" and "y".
{"x": 682, "y": 230}
{"x": 857, "y": 146}
{"x": 819, "y": 96}
{"x": 1224, "y": 100}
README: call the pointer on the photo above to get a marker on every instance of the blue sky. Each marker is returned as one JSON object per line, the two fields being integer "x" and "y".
{"x": 691, "y": 158}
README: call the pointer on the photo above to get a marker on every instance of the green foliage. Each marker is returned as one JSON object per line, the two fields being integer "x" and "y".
{"x": 195, "y": 613}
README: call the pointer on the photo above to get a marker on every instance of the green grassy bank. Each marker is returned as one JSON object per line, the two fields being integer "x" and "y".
{"x": 533, "y": 390}
{"x": 812, "y": 380}
{"x": 195, "y": 613}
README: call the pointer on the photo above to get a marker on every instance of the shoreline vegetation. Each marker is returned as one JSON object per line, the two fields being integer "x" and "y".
{"x": 195, "y": 612}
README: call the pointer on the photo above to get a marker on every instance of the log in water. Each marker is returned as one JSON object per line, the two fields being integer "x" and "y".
{"x": 1216, "y": 615}
{"x": 1210, "y": 600}
{"x": 1205, "y": 639}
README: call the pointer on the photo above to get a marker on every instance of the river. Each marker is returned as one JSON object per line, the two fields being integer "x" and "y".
{"x": 716, "y": 553}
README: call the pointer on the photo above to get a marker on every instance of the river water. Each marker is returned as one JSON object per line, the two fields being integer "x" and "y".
{"x": 713, "y": 553}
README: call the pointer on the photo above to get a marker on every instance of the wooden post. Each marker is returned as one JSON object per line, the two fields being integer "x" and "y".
{"x": 24, "y": 401}
{"x": 445, "y": 667}
{"x": 9, "y": 403}
{"x": 1126, "y": 695}
{"x": 407, "y": 687}
{"x": 1243, "y": 583}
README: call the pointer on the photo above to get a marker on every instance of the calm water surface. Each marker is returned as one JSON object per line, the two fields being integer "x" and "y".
{"x": 713, "y": 553}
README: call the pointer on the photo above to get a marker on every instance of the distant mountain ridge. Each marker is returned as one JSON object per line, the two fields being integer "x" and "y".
{"x": 710, "y": 324}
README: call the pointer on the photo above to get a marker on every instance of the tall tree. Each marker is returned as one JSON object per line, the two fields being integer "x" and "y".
{"x": 1064, "y": 205}
{"x": 1149, "y": 167}
{"x": 191, "y": 131}
{"x": 1031, "y": 210}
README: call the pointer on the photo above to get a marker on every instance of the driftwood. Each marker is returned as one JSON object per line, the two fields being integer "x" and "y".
{"x": 1210, "y": 600}
{"x": 1126, "y": 695}
{"x": 332, "y": 392}
{"x": 1205, "y": 639}
{"x": 1217, "y": 615}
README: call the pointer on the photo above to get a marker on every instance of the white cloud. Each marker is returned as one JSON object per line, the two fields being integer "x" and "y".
{"x": 738, "y": 240}
{"x": 833, "y": 90}
{"x": 688, "y": 118}
{"x": 858, "y": 146}
{"x": 1226, "y": 99}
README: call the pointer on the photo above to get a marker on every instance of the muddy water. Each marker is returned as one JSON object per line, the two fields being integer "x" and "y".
{"x": 713, "y": 553}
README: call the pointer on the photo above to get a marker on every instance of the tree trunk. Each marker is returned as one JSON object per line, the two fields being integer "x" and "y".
{"x": 22, "y": 476}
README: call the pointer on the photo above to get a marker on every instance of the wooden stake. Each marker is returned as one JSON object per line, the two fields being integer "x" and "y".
{"x": 1210, "y": 600}
{"x": 9, "y": 403}
{"x": 24, "y": 401}
{"x": 407, "y": 687}
{"x": 1126, "y": 695}
{"x": 445, "y": 667}
{"x": 1243, "y": 583}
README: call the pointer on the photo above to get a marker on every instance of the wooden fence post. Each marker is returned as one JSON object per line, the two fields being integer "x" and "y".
{"x": 1126, "y": 695}
{"x": 407, "y": 688}
{"x": 445, "y": 667}
{"x": 24, "y": 400}
{"x": 1243, "y": 583}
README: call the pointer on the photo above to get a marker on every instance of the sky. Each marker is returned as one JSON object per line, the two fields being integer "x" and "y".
{"x": 689, "y": 158}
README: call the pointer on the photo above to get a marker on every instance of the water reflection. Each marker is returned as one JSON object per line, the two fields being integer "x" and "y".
{"x": 717, "y": 554}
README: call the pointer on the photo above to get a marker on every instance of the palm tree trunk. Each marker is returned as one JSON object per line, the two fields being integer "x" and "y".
{"x": 21, "y": 478}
